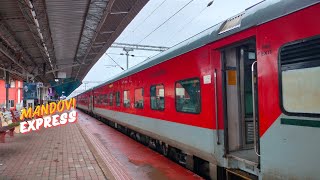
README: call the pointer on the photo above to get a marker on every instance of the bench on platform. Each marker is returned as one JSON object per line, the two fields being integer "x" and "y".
{"x": 4, "y": 130}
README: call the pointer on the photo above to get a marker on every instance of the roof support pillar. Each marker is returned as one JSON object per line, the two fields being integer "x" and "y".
{"x": 7, "y": 90}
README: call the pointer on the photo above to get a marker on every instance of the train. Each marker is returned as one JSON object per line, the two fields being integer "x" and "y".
{"x": 241, "y": 99}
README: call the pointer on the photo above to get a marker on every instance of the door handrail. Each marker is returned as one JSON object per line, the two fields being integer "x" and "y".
{"x": 216, "y": 105}
{"x": 254, "y": 109}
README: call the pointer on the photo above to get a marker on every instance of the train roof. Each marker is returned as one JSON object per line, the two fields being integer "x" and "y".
{"x": 257, "y": 14}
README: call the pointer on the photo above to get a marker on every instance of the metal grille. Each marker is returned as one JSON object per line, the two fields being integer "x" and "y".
{"x": 300, "y": 54}
{"x": 249, "y": 132}
{"x": 232, "y": 23}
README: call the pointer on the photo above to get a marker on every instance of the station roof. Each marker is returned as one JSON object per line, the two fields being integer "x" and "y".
{"x": 43, "y": 39}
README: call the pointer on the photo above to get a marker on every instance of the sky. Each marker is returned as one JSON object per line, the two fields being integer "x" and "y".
{"x": 143, "y": 30}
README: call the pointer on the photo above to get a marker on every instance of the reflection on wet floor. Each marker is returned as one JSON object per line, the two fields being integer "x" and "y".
{"x": 152, "y": 172}
{"x": 139, "y": 161}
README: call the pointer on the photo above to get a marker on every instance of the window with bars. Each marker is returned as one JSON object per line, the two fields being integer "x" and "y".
{"x": 299, "y": 68}
{"x": 117, "y": 98}
{"x": 111, "y": 99}
{"x": 157, "y": 97}
{"x": 138, "y": 98}
{"x": 126, "y": 98}
{"x": 188, "y": 98}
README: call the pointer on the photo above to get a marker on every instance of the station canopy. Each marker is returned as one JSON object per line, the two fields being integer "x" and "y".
{"x": 44, "y": 40}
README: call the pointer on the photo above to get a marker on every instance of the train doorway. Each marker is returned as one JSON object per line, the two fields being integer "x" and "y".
{"x": 240, "y": 102}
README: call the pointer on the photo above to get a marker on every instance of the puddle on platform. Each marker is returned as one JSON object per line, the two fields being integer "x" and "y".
{"x": 152, "y": 173}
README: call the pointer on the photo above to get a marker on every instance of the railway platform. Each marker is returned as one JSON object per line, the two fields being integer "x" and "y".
{"x": 87, "y": 149}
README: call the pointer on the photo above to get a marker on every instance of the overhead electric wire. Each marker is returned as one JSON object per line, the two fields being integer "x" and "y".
{"x": 142, "y": 23}
{"x": 159, "y": 25}
{"x": 188, "y": 23}
{"x": 146, "y": 18}
{"x": 150, "y": 14}
{"x": 165, "y": 21}
{"x": 124, "y": 54}
{"x": 114, "y": 61}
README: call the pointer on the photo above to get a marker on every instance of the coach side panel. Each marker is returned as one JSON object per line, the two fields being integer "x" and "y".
{"x": 194, "y": 132}
{"x": 289, "y": 141}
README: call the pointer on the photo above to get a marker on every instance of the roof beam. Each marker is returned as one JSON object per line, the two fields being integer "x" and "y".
{"x": 6, "y": 51}
{"x": 65, "y": 67}
{"x": 104, "y": 17}
{"x": 106, "y": 32}
{"x": 124, "y": 22}
{"x": 106, "y": 11}
{"x": 120, "y": 12}
{"x": 8, "y": 36}
{"x": 14, "y": 52}
{"x": 13, "y": 72}
{"x": 42, "y": 16}
{"x": 99, "y": 43}
{"x": 35, "y": 29}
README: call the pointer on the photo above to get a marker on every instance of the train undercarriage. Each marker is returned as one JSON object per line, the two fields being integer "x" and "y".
{"x": 193, "y": 163}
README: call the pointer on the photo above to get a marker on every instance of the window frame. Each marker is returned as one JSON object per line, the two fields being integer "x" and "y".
{"x": 280, "y": 78}
{"x": 134, "y": 98}
{"x": 111, "y": 93}
{"x": 127, "y": 98}
{"x": 164, "y": 102}
{"x": 105, "y": 100}
{"x": 175, "y": 95}
{"x": 11, "y": 102}
{"x": 119, "y": 98}
{"x": 99, "y": 99}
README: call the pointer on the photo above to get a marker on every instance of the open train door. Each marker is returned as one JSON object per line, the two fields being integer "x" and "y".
{"x": 241, "y": 107}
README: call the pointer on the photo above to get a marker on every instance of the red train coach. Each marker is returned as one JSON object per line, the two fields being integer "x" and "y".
{"x": 240, "y": 98}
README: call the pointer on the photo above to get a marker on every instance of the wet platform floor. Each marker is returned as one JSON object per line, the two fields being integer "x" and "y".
{"x": 87, "y": 149}
{"x": 137, "y": 160}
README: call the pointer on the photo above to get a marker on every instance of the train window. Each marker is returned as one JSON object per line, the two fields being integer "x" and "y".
{"x": 299, "y": 68}
{"x": 105, "y": 99}
{"x": 117, "y": 98}
{"x": 188, "y": 96}
{"x": 126, "y": 98}
{"x": 100, "y": 99}
{"x": 111, "y": 99}
{"x": 95, "y": 98}
{"x": 157, "y": 97}
{"x": 138, "y": 98}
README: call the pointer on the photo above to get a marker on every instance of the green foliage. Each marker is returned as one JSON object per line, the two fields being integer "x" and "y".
{"x": 14, "y": 124}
